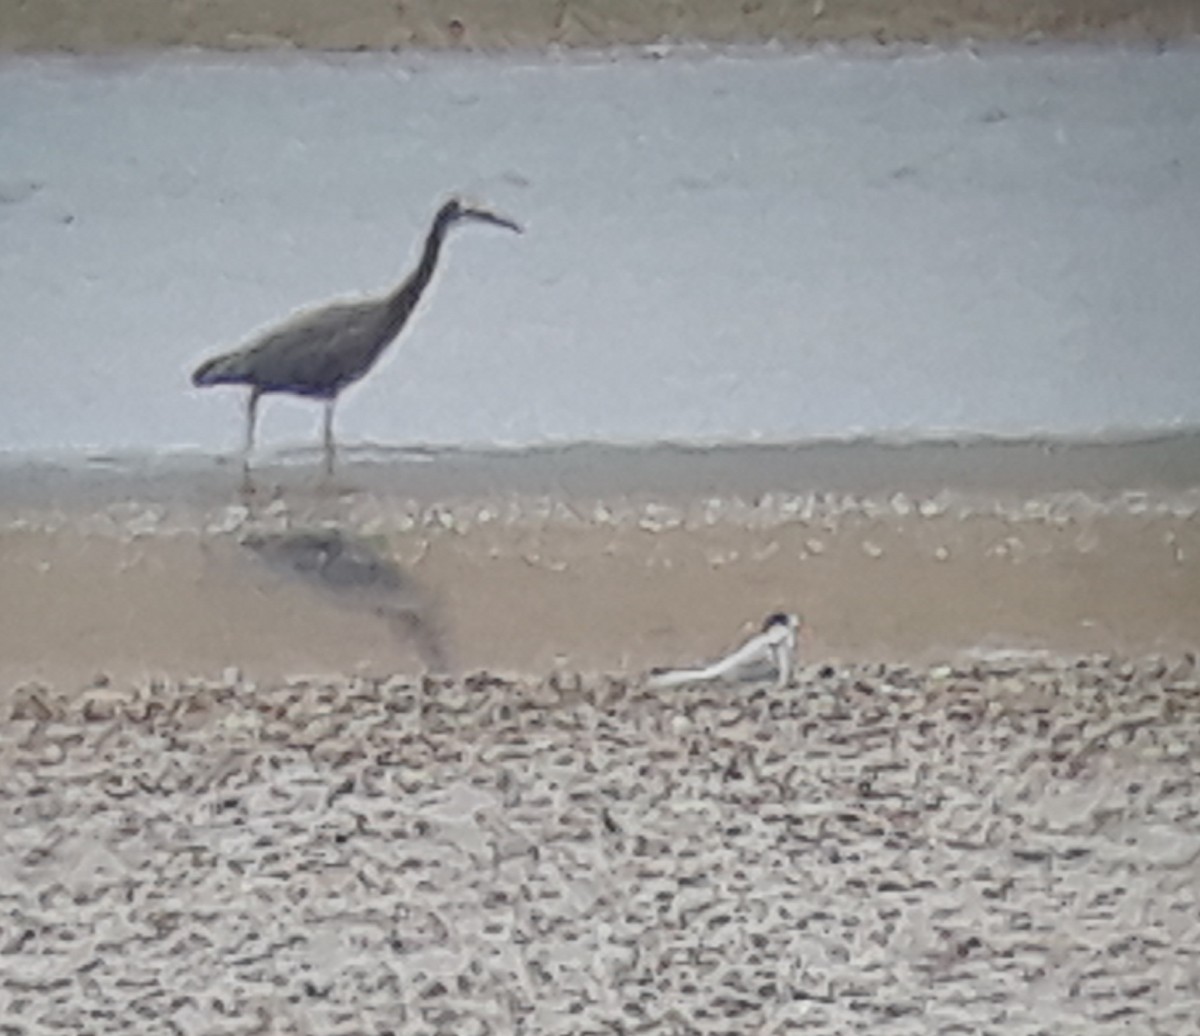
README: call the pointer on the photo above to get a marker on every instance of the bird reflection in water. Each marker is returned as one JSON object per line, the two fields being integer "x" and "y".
{"x": 359, "y": 575}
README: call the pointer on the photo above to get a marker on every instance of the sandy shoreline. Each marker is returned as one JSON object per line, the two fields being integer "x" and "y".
{"x": 527, "y": 564}
{"x": 200, "y": 837}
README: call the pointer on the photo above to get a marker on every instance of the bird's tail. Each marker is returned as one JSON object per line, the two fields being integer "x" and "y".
{"x": 221, "y": 370}
{"x": 659, "y": 679}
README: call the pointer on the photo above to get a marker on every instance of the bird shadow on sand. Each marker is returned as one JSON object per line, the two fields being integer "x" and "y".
{"x": 355, "y": 573}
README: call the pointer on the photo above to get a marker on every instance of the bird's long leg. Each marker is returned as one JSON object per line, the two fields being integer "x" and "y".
{"x": 328, "y": 436}
{"x": 248, "y": 445}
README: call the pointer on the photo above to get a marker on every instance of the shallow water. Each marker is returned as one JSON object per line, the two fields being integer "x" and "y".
{"x": 719, "y": 248}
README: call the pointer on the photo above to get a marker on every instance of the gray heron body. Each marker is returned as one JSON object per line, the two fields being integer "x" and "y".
{"x": 318, "y": 352}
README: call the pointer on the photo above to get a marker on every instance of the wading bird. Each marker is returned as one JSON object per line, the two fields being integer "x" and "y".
{"x": 318, "y": 352}
{"x": 773, "y": 649}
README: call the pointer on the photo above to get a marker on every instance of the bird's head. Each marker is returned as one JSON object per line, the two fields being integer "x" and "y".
{"x": 783, "y": 621}
{"x": 457, "y": 209}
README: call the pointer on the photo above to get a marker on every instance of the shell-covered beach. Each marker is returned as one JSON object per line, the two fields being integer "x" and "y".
{"x": 1010, "y": 846}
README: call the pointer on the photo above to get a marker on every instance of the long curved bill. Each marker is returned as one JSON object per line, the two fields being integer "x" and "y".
{"x": 490, "y": 217}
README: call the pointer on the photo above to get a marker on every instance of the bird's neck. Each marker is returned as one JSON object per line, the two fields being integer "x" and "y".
{"x": 404, "y": 299}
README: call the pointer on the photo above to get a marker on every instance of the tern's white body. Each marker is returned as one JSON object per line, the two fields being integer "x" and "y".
{"x": 775, "y": 647}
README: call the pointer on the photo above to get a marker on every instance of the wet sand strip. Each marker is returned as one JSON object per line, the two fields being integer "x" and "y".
{"x": 597, "y": 559}
{"x": 990, "y": 469}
